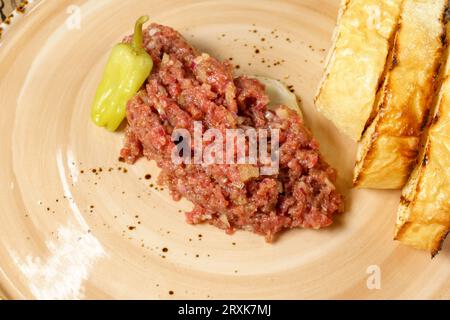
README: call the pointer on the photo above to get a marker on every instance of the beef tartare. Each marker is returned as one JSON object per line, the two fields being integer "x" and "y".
{"x": 186, "y": 86}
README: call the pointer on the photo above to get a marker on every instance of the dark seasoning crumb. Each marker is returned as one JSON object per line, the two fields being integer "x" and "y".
{"x": 259, "y": 50}
{"x": 97, "y": 173}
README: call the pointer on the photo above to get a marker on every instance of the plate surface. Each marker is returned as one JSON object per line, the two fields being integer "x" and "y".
{"x": 76, "y": 223}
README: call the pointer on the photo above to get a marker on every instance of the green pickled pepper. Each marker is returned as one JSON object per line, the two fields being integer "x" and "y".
{"x": 128, "y": 67}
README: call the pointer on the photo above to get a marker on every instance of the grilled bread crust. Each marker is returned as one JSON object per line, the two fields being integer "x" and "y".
{"x": 423, "y": 218}
{"x": 356, "y": 63}
{"x": 389, "y": 147}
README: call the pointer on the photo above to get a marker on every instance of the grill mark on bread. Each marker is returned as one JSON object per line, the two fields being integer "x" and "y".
{"x": 425, "y": 160}
{"x": 390, "y": 64}
{"x": 404, "y": 201}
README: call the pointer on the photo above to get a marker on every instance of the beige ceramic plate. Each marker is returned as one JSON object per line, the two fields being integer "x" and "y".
{"x": 67, "y": 232}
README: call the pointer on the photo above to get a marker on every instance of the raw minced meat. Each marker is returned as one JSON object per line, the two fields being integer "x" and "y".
{"x": 186, "y": 86}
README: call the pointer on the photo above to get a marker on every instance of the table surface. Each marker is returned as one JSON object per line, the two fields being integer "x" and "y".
{"x": 6, "y": 6}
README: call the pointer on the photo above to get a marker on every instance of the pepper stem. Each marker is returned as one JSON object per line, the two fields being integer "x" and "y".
{"x": 137, "y": 37}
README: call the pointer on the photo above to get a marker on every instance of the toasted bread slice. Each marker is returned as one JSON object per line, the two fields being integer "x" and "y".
{"x": 389, "y": 147}
{"x": 423, "y": 218}
{"x": 356, "y": 63}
